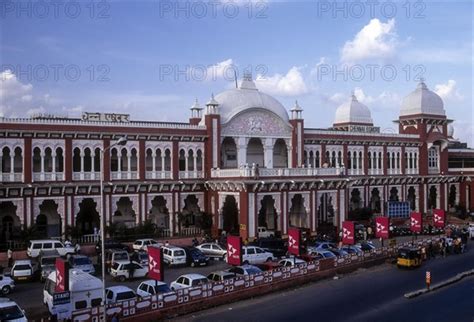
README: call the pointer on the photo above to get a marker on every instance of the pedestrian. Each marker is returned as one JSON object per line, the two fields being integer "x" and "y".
{"x": 167, "y": 243}
{"x": 430, "y": 250}
{"x": 10, "y": 257}
{"x": 423, "y": 253}
{"x": 369, "y": 232}
{"x": 131, "y": 269}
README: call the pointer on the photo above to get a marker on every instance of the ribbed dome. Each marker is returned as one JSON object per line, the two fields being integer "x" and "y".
{"x": 422, "y": 101}
{"x": 234, "y": 101}
{"x": 353, "y": 112}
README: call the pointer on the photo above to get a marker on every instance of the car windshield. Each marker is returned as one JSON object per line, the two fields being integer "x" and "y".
{"x": 48, "y": 261}
{"x": 120, "y": 256}
{"x": 10, "y": 313}
{"x": 162, "y": 289}
{"x": 115, "y": 265}
{"x": 125, "y": 295}
{"x": 179, "y": 253}
{"x": 82, "y": 261}
{"x": 22, "y": 267}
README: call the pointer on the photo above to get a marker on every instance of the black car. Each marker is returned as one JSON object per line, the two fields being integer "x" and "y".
{"x": 194, "y": 257}
{"x": 110, "y": 244}
{"x": 278, "y": 247}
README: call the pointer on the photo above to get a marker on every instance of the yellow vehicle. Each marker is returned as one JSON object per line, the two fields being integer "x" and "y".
{"x": 409, "y": 257}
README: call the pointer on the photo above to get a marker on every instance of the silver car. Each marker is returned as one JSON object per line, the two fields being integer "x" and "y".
{"x": 212, "y": 250}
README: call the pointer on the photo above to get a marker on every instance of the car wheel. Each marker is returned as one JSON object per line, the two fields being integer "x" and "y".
{"x": 6, "y": 290}
{"x": 121, "y": 278}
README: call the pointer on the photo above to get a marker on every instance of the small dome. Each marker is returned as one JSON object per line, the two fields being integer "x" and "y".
{"x": 422, "y": 101}
{"x": 247, "y": 96}
{"x": 353, "y": 112}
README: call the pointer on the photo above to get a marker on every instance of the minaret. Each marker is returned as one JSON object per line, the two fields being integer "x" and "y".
{"x": 297, "y": 136}
{"x": 212, "y": 121}
{"x": 196, "y": 113}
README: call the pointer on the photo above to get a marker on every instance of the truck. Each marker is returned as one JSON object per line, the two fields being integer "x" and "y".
{"x": 85, "y": 291}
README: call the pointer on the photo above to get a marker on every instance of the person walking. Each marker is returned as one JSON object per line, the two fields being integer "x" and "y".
{"x": 10, "y": 257}
{"x": 131, "y": 269}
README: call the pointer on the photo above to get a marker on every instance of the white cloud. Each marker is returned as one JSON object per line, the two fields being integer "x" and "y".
{"x": 375, "y": 40}
{"x": 291, "y": 84}
{"x": 448, "y": 90}
{"x": 221, "y": 70}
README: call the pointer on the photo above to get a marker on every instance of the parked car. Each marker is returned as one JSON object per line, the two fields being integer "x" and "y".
{"x": 35, "y": 247}
{"x": 142, "y": 244}
{"x": 352, "y": 250}
{"x": 255, "y": 255}
{"x": 10, "y": 311}
{"x": 188, "y": 280}
{"x": 117, "y": 294}
{"x": 212, "y": 250}
{"x": 194, "y": 257}
{"x": 110, "y": 244}
{"x": 220, "y": 276}
{"x": 365, "y": 246}
{"x": 289, "y": 262}
{"x": 152, "y": 287}
{"x": 141, "y": 257}
{"x": 173, "y": 255}
{"x": 338, "y": 252}
{"x": 245, "y": 270}
{"x": 24, "y": 270}
{"x": 277, "y": 247}
{"x": 6, "y": 285}
{"x": 264, "y": 233}
{"x": 113, "y": 255}
{"x": 47, "y": 263}
{"x": 121, "y": 270}
{"x": 320, "y": 254}
{"x": 323, "y": 245}
{"x": 82, "y": 263}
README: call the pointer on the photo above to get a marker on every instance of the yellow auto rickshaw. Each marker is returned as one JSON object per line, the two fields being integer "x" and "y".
{"x": 409, "y": 257}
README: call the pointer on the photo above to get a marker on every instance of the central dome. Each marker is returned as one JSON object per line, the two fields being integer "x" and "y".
{"x": 247, "y": 96}
{"x": 353, "y": 112}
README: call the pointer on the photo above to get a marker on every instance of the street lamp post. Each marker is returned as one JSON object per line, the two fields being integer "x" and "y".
{"x": 120, "y": 141}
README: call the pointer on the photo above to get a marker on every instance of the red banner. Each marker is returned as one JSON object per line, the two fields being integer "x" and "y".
{"x": 348, "y": 233}
{"x": 416, "y": 222}
{"x": 382, "y": 225}
{"x": 234, "y": 250}
{"x": 294, "y": 241}
{"x": 439, "y": 218}
{"x": 62, "y": 275}
{"x": 155, "y": 263}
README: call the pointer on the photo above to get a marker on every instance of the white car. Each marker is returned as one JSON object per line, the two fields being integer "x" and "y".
{"x": 245, "y": 270}
{"x": 121, "y": 270}
{"x": 289, "y": 262}
{"x": 24, "y": 270}
{"x": 152, "y": 287}
{"x": 264, "y": 233}
{"x": 212, "y": 250}
{"x": 117, "y": 294}
{"x": 142, "y": 244}
{"x": 6, "y": 285}
{"x": 173, "y": 255}
{"x": 255, "y": 255}
{"x": 188, "y": 280}
{"x": 35, "y": 247}
{"x": 83, "y": 263}
{"x": 10, "y": 311}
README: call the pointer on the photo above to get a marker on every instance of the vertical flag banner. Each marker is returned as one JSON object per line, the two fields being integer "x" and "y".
{"x": 234, "y": 250}
{"x": 155, "y": 263}
{"x": 382, "y": 225}
{"x": 439, "y": 218}
{"x": 294, "y": 241}
{"x": 62, "y": 275}
{"x": 348, "y": 236}
{"x": 416, "y": 222}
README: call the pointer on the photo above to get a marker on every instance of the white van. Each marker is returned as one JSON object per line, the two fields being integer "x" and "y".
{"x": 85, "y": 292}
{"x": 36, "y": 246}
{"x": 173, "y": 255}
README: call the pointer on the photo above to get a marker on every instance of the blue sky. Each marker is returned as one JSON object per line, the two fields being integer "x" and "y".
{"x": 152, "y": 59}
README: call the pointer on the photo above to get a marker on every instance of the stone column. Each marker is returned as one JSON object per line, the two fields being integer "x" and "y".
{"x": 42, "y": 165}
{"x": 268, "y": 153}
{"x": 129, "y": 165}
{"x": 53, "y": 170}
{"x": 241, "y": 150}
{"x": 119, "y": 169}
{"x": 153, "y": 164}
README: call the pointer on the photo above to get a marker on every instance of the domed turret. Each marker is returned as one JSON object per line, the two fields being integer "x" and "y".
{"x": 422, "y": 101}
{"x": 353, "y": 112}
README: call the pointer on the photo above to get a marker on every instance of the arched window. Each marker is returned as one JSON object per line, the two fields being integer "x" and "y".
{"x": 182, "y": 160}
{"x": 333, "y": 159}
{"x": 114, "y": 160}
{"x": 190, "y": 160}
{"x": 369, "y": 160}
{"x": 18, "y": 160}
{"x": 398, "y": 160}
{"x": 167, "y": 160}
{"x": 389, "y": 160}
{"x": 360, "y": 159}
{"x": 380, "y": 161}
{"x": 149, "y": 160}
{"x": 199, "y": 163}
{"x": 318, "y": 161}
{"x": 433, "y": 158}
{"x": 6, "y": 160}
{"x": 97, "y": 163}
{"x": 76, "y": 160}
{"x": 36, "y": 160}
{"x": 306, "y": 160}
{"x": 87, "y": 160}
{"x": 59, "y": 160}
{"x": 349, "y": 160}
{"x": 48, "y": 160}
{"x": 124, "y": 160}
{"x": 134, "y": 160}
{"x": 159, "y": 160}
{"x": 339, "y": 158}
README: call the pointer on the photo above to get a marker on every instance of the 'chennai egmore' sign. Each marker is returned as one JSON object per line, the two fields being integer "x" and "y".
{"x": 106, "y": 117}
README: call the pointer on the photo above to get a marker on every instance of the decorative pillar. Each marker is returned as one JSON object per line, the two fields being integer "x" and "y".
{"x": 268, "y": 153}
{"x": 241, "y": 150}
{"x": 53, "y": 170}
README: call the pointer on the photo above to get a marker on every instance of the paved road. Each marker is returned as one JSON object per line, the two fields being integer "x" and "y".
{"x": 375, "y": 294}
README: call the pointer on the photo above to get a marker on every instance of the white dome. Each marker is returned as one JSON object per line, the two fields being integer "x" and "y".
{"x": 353, "y": 111}
{"x": 422, "y": 101}
{"x": 234, "y": 101}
